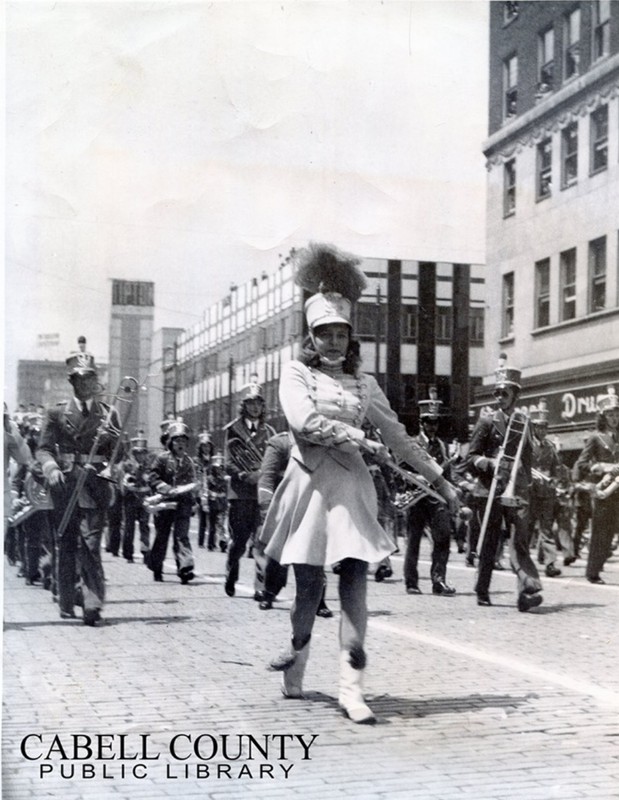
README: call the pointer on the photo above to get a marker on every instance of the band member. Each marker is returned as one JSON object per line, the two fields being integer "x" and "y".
{"x": 545, "y": 464}
{"x": 173, "y": 478}
{"x": 218, "y": 503}
{"x": 203, "y": 462}
{"x": 245, "y": 442}
{"x": 429, "y": 512}
{"x": 135, "y": 489}
{"x": 599, "y": 462}
{"x": 324, "y": 510}
{"x": 76, "y": 443}
{"x": 489, "y": 439}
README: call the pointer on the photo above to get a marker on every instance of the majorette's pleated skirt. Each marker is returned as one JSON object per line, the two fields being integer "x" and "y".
{"x": 325, "y": 516}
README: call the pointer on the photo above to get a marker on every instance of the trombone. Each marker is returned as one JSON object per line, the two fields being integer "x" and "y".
{"x": 128, "y": 385}
{"x": 519, "y": 426}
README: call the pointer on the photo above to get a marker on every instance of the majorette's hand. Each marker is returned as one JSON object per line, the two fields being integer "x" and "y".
{"x": 378, "y": 451}
{"x": 451, "y": 496}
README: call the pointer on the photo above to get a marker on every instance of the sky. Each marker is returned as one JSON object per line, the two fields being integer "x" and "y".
{"x": 191, "y": 144}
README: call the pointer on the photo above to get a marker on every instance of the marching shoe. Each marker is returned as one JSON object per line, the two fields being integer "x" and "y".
{"x": 440, "y": 587}
{"x": 158, "y": 577}
{"x": 351, "y": 692}
{"x": 67, "y": 615}
{"x": 291, "y": 663}
{"x": 597, "y": 579}
{"x": 568, "y": 560}
{"x": 92, "y": 617}
{"x": 499, "y": 565}
{"x": 266, "y": 604}
{"x": 552, "y": 572}
{"x": 413, "y": 589}
{"x": 258, "y": 596}
{"x": 324, "y": 612}
{"x": 483, "y": 600}
{"x": 470, "y": 560}
{"x": 229, "y": 587}
{"x": 186, "y": 577}
{"x": 529, "y": 601}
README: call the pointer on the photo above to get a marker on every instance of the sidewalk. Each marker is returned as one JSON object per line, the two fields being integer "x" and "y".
{"x": 472, "y": 703}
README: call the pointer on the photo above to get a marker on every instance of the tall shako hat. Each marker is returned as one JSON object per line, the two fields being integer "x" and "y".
{"x": 334, "y": 278}
{"x": 81, "y": 362}
{"x": 609, "y": 401}
{"x": 177, "y": 429}
{"x": 506, "y": 376}
{"x": 252, "y": 391}
{"x": 540, "y": 415}
{"x": 430, "y": 409}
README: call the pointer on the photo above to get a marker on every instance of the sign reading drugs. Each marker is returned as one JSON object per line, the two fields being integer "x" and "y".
{"x": 133, "y": 293}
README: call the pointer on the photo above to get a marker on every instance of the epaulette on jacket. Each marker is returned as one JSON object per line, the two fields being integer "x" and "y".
{"x": 231, "y": 423}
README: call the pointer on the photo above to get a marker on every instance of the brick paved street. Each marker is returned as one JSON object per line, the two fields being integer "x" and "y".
{"x": 483, "y": 703}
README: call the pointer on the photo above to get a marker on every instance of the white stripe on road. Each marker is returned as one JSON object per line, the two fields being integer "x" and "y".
{"x": 581, "y": 687}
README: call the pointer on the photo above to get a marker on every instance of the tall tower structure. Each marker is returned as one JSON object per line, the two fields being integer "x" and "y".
{"x": 553, "y": 205}
{"x": 131, "y": 333}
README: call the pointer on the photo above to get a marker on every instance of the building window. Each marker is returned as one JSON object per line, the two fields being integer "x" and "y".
{"x": 571, "y": 39}
{"x": 567, "y": 306}
{"x": 542, "y": 293}
{"x": 409, "y": 324}
{"x": 509, "y": 187}
{"x": 544, "y": 169}
{"x": 510, "y": 87}
{"x": 443, "y": 324}
{"x": 597, "y": 275}
{"x": 546, "y": 62}
{"x": 569, "y": 155}
{"x": 476, "y": 326}
{"x": 507, "y": 323}
{"x": 601, "y": 29}
{"x": 510, "y": 11}
{"x": 599, "y": 139}
{"x": 366, "y": 319}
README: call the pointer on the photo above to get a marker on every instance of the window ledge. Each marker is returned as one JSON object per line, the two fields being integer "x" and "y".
{"x": 571, "y": 323}
{"x": 509, "y": 214}
{"x": 598, "y": 170}
{"x": 507, "y": 339}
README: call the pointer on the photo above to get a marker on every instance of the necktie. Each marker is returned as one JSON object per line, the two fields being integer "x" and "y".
{"x": 85, "y": 411}
{"x": 252, "y": 429}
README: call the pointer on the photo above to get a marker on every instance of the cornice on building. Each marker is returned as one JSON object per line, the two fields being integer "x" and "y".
{"x": 577, "y": 98}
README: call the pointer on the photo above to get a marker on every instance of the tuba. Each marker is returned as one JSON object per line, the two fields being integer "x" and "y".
{"x": 244, "y": 454}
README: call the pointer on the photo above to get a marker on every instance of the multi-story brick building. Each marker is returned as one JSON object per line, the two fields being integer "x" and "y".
{"x": 553, "y": 205}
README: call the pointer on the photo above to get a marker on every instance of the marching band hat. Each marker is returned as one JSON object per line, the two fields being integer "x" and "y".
{"x": 251, "y": 391}
{"x": 139, "y": 442}
{"x": 334, "y": 278}
{"x": 217, "y": 460}
{"x": 608, "y": 402}
{"x": 177, "y": 429}
{"x": 540, "y": 415}
{"x": 204, "y": 438}
{"x": 430, "y": 409}
{"x": 81, "y": 364}
{"x": 506, "y": 376}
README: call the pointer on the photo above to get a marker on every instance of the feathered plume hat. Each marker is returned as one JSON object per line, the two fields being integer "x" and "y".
{"x": 335, "y": 280}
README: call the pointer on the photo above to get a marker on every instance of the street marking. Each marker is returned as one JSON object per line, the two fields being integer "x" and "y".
{"x": 581, "y": 687}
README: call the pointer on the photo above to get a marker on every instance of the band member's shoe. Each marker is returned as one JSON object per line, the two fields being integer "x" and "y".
{"x": 413, "y": 589}
{"x": 258, "y": 597}
{"x": 186, "y": 577}
{"x": 67, "y": 615}
{"x": 146, "y": 558}
{"x": 552, "y": 571}
{"x": 351, "y": 689}
{"x": 266, "y": 604}
{"x": 158, "y": 576}
{"x": 229, "y": 587}
{"x": 499, "y": 565}
{"x": 440, "y": 587}
{"x": 483, "y": 600}
{"x": 91, "y": 618}
{"x": 470, "y": 560}
{"x": 528, "y": 601}
{"x": 382, "y": 572}
{"x": 324, "y": 612}
{"x": 568, "y": 560}
{"x": 596, "y": 579}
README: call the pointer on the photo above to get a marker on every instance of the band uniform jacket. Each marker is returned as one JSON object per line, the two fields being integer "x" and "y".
{"x": 240, "y": 487}
{"x": 67, "y": 437}
{"x": 168, "y": 470}
{"x": 545, "y": 459}
{"x": 486, "y": 441}
{"x": 438, "y": 450}
{"x": 599, "y": 447}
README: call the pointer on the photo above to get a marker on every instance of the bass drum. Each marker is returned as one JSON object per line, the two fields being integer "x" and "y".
{"x": 37, "y": 494}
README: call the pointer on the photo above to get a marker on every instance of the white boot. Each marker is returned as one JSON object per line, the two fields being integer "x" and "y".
{"x": 292, "y": 678}
{"x": 351, "y": 692}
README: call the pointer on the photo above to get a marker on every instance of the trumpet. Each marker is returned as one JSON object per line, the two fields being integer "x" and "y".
{"x": 244, "y": 454}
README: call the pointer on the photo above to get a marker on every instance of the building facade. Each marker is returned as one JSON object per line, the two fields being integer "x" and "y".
{"x": 553, "y": 206}
{"x": 44, "y": 382}
{"x": 130, "y": 343}
{"x": 419, "y": 324}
